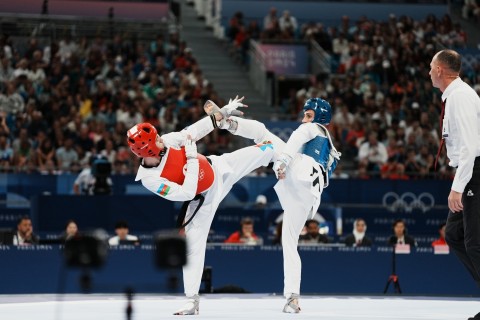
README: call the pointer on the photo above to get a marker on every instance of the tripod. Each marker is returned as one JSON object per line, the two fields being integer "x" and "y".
{"x": 129, "y": 310}
{"x": 393, "y": 277}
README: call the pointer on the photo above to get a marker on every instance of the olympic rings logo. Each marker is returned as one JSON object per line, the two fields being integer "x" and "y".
{"x": 408, "y": 201}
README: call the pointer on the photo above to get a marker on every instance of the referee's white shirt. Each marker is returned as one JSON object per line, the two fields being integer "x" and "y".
{"x": 461, "y": 130}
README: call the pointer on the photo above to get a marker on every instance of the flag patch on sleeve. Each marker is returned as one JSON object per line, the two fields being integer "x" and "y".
{"x": 264, "y": 145}
{"x": 163, "y": 189}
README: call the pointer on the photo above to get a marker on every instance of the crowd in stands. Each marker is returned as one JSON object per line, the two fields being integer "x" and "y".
{"x": 312, "y": 234}
{"x": 62, "y": 102}
{"x": 471, "y": 10}
{"x": 386, "y": 117}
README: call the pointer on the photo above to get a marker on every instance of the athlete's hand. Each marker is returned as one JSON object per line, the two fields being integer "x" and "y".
{"x": 280, "y": 166}
{"x": 190, "y": 148}
{"x": 280, "y": 169}
{"x": 231, "y": 108}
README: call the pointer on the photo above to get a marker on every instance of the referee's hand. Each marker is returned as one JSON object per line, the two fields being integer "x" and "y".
{"x": 455, "y": 201}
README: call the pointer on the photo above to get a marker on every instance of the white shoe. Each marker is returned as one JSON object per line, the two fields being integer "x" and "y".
{"x": 189, "y": 308}
{"x": 292, "y": 305}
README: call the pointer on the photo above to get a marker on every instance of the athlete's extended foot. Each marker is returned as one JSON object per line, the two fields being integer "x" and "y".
{"x": 292, "y": 305}
{"x": 210, "y": 108}
{"x": 189, "y": 308}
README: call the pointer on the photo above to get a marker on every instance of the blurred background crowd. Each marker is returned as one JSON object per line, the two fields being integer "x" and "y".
{"x": 63, "y": 101}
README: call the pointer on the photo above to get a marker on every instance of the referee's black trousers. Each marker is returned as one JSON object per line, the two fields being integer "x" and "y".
{"x": 463, "y": 228}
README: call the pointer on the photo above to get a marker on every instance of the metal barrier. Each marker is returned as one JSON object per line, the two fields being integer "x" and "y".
{"x": 320, "y": 59}
{"x": 51, "y": 26}
{"x": 258, "y": 72}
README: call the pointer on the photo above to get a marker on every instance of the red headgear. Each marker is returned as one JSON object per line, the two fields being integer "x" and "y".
{"x": 142, "y": 140}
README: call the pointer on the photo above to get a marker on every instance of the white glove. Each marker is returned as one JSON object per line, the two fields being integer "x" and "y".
{"x": 280, "y": 166}
{"x": 190, "y": 148}
{"x": 231, "y": 108}
{"x": 280, "y": 169}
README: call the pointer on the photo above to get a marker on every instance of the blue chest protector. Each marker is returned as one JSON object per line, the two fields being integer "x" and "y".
{"x": 320, "y": 149}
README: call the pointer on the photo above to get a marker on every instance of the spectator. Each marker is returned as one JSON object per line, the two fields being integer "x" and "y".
{"x": 67, "y": 49}
{"x": 399, "y": 173}
{"x": 12, "y": 102}
{"x": 277, "y": 233}
{"x": 22, "y": 69}
{"x": 246, "y": 235}
{"x": 36, "y": 74}
{"x": 372, "y": 153}
{"x": 355, "y": 137}
{"x": 343, "y": 118}
{"x": 234, "y": 25}
{"x": 261, "y": 201}
{"x": 23, "y": 150}
{"x": 66, "y": 155}
{"x": 339, "y": 45}
{"x": 122, "y": 236}
{"x": 313, "y": 234}
{"x": 270, "y": 20}
{"x": 288, "y": 24}
{"x": 253, "y": 29}
{"x": 24, "y": 234}
{"x": 441, "y": 240}
{"x": 6, "y": 70}
{"x": 109, "y": 152}
{"x": 6, "y": 154}
{"x": 86, "y": 181}
{"x": 400, "y": 235}
{"x": 358, "y": 237}
{"x": 45, "y": 153}
{"x": 470, "y": 9}
{"x": 412, "y": 167}
{"x": 71, "y": 230}
{"x": 339, "y": 173}
{"x": 388, "y": 168}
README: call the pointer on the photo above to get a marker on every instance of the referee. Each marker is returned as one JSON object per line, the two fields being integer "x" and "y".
{"x": 461, "y": 135}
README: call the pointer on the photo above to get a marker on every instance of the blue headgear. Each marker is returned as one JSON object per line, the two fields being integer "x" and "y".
{"x": 322, "y": 109}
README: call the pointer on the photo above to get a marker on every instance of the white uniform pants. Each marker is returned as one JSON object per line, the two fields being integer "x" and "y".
{"x": 299, "y": 194}
{"x": 229, "y": 168}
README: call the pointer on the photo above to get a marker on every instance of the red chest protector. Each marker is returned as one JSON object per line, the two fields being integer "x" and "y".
{"x": 176, "y": 163}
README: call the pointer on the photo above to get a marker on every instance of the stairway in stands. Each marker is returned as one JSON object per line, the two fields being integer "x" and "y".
{"x": 228, "y": 77}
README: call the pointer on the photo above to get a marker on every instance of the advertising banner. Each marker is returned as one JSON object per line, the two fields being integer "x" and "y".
{"x": 285, "y": 59}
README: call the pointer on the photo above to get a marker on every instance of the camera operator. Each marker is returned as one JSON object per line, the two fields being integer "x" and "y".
{"x": 95, "y": 179}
